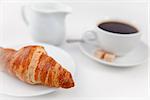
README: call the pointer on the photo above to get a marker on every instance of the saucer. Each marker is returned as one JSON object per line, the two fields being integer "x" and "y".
{"x": 136, "y": 57}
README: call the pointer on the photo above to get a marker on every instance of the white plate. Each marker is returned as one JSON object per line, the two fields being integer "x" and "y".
{"x": 135, "y": 57}
{"x": 14, "y": 87}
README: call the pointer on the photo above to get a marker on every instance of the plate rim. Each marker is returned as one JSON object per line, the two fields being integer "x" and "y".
{"x": 33, "y": 95}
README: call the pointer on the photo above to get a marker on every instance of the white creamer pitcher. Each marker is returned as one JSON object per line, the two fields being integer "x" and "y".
{"x": 46, "y": 22}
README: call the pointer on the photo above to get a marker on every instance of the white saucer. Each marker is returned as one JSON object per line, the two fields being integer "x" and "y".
{"x": 134, "y": 58}
{"x": 12, "y": 86}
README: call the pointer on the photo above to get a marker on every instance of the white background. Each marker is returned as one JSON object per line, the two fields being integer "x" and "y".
{"x": 92, "y": 79}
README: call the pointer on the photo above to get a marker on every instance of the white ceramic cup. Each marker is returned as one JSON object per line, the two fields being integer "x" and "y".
{"x": 119, "y": 44}
{"x": 46, "y": 22}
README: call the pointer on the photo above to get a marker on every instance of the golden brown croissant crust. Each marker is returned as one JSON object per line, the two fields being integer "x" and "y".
{"x": 31, "y": 64}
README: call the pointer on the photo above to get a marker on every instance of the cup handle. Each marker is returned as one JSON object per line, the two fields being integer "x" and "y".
{"x": 23, "y": 13}
{"x": 90, "y": 37}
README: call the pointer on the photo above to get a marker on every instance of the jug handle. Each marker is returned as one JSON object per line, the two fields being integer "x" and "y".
{"x": 23, "y": 10}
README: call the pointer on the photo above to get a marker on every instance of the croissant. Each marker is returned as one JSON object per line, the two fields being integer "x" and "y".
{"x": 32, "y": 65}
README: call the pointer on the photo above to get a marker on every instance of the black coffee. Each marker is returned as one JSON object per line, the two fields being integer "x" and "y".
{"x": 118, "y": 27}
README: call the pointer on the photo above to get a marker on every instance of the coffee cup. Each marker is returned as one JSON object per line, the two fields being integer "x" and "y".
{"x": 117, "y": 36}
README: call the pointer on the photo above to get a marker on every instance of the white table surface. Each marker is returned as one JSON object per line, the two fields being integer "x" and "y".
{"x": 92, "y": 79}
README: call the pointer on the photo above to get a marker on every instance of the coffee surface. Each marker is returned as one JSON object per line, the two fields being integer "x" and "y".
{"x": 118, "y": 27}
